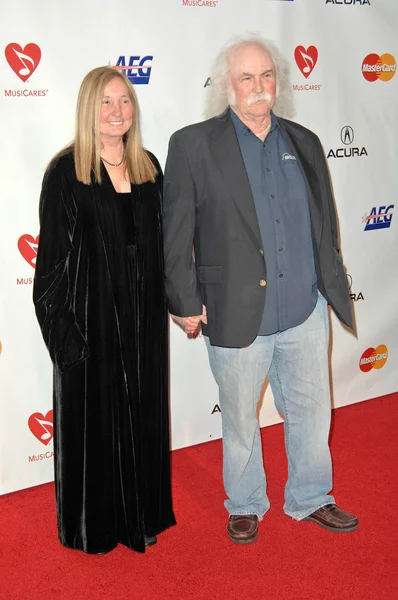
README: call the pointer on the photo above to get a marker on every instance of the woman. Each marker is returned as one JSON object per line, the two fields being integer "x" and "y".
{"x": 99, "y": 299}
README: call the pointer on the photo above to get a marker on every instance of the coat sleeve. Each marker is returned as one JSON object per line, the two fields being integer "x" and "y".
{"x": 51, "y": 290}
{"x": 179, "y": 213}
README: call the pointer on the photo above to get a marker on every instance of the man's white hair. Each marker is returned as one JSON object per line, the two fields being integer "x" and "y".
{"x": 219, "y": 91}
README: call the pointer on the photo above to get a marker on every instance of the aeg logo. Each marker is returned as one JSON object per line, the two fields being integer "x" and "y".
{"x": 379, "y": 67}
{"x": 379, "y": 218}
{"x": 23, "y": 61}
{"x": 137, "y": 69}
{"x": 373, "y": 358}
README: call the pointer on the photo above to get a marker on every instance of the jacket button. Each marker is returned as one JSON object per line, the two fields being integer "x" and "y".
{"x": 263, "y": 282}
{"x": 262, "y": 252}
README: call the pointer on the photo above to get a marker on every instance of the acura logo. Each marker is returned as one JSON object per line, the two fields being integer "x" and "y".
{"x": 348, "y": 151}
{"x": 347, "y": 135}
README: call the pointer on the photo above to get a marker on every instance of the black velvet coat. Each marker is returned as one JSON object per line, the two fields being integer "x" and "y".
{"x": 100, "y": 303}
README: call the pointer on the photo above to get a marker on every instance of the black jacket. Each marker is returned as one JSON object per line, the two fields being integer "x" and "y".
{"x": 208, "y": 206}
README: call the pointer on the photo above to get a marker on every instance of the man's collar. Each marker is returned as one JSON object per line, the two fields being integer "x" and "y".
{"x": 240, "y": 127}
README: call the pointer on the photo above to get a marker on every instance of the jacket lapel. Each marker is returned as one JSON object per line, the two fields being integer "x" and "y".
{"x": 228, "y": 158}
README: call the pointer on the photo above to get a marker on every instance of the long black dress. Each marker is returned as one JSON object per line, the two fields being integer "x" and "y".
{"x": 100, "y": 302}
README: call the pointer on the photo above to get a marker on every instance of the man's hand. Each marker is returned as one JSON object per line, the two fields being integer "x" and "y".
{"x": 191, "y": 325}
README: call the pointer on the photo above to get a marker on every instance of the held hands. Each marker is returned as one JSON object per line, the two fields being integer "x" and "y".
{"x": 192, "y": 325}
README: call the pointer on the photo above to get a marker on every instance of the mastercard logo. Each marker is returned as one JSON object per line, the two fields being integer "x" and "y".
{"x": 373, "y": 358}
{"x": 379, "y": 67}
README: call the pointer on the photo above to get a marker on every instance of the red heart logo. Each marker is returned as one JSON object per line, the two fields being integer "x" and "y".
{"x": 27, "y": 245}
{"x": 42, "y": 426}
{"x": 306, "y": 59}
{"x": 23, "y": 61}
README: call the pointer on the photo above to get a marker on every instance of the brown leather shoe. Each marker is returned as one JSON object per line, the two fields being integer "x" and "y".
{"x": 331, "y": 517}
{"x": 243, "y": 529}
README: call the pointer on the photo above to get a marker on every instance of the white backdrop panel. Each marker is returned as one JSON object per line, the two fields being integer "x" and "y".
{"x": 183, "y": 38}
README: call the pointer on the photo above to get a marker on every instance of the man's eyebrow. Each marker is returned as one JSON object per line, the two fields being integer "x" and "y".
{"x": 250, "y": 74}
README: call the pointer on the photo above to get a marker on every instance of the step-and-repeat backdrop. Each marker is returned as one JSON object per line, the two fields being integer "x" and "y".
{"x": 342, "y": 84}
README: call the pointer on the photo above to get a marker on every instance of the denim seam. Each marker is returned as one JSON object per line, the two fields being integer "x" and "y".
{"x": 287, "y": 426}
{"x": 254, "y": 407}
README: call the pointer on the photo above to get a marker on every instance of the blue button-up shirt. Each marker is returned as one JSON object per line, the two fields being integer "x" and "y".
{"x": 281, "y": 202}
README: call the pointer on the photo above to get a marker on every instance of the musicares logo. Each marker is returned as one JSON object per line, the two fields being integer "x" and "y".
{"x": 205, "y": 3}
{"x": 306, "y": 59}
{"x": 28, "y": 245}
{"x": 373, "y": 358}
{"x": 42, "y": 426}
{"x": 23, "y": 61}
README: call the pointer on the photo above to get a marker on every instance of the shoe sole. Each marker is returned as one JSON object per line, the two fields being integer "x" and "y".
{"x": 335, "y": 529}
{"x": 249, "y": 541}
{"x": 149, "y": 543}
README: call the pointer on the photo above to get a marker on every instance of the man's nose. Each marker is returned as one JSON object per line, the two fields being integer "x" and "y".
{"x": 258, "y": 85}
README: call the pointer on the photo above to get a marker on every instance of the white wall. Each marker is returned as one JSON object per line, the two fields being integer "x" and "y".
{"x": 38, "y": 119}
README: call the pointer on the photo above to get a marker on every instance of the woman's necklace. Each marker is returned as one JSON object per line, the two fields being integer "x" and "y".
{"x": 111, "y": 164}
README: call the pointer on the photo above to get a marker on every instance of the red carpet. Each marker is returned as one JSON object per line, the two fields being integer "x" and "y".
{"x": 195, "y": 559}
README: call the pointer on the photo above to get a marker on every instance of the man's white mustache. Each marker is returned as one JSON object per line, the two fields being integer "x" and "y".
{"x": 265, "y": 97}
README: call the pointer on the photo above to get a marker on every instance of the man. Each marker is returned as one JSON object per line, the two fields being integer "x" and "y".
{"x": 252, "y": 256}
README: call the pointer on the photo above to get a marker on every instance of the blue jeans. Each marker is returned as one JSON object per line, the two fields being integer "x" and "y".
{"x": 296, "y": 361}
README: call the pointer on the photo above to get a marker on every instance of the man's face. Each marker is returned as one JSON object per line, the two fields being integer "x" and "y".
{"x": 252, "y": 81}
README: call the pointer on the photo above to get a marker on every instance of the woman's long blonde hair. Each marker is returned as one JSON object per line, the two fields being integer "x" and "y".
{"x": 87, "y": 144}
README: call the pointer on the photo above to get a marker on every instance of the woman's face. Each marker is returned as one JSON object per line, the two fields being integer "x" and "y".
{"x": 116, "y": 110}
